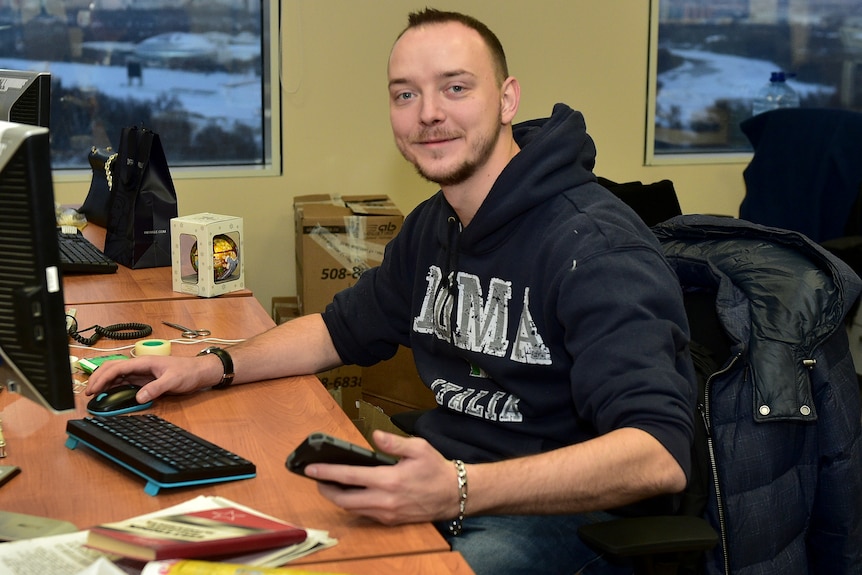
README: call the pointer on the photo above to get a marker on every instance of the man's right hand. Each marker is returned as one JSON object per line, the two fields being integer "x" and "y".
{"x": 156, "y": 375}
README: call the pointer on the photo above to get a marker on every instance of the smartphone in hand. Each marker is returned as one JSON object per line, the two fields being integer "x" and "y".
{"x": 324, "y": 448}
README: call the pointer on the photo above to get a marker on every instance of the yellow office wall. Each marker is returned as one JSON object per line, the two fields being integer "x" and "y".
{"x": 589, "y": 54}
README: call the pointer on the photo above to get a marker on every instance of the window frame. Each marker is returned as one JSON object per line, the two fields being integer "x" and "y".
{"x": 272, "y": 137}
{"x": 673, "y": 159}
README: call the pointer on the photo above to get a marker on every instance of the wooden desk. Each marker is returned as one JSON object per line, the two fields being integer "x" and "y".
{"x": 125, "y": 285}
{"x": 449, "y": 562}
{"x": 262, "y": 422}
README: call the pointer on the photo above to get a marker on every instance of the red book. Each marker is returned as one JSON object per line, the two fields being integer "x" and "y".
{"x": 212, "y": 533}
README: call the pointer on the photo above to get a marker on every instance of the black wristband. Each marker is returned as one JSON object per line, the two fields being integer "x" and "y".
{"x": 227, "y": 364}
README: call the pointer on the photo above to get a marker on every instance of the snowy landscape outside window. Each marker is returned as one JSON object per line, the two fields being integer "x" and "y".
{"x": 708, "y": 59}
{"x": 196, "y": 72}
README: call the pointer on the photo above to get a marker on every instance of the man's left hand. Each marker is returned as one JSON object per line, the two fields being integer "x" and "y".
{"x": 422, "y": 486}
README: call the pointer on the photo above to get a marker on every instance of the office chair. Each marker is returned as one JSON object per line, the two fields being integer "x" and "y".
{"x": 675, "y": 544}
{"x": 669, "y": 544}
{"x": 654, "y": 203}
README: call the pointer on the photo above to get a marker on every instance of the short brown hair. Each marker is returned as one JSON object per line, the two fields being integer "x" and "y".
{"x": 432, "y": 16}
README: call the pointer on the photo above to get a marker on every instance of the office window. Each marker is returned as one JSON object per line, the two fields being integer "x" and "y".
{"x": 203, "y": 75}
{"x": 708, "y": 59}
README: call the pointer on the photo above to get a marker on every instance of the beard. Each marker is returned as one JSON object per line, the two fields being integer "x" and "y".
{"x": 478, "y": 155}
{"x": 456, "y": 175}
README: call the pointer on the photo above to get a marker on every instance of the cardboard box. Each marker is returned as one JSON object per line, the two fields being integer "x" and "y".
{"x": 371, "y": 417}
{"x": 284, "y": 308}
{"x": 345, "y": 385}
{"x": 207, "y": 254}
{"x": 337, "y": 239}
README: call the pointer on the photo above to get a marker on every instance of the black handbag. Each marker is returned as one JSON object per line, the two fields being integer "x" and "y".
{"x": 143, "y": 202}
{"x": 98, "y": 200}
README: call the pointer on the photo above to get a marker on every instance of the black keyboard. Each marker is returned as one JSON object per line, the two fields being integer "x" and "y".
{"x": 79, "y": 255}
{"x": 159, "y": 451}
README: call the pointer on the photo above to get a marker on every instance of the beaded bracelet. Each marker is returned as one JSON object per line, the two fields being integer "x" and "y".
{"x": 458, "y": 523}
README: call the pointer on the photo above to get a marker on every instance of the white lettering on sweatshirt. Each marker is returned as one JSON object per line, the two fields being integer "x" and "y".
{"x": 480, "y": 325}
{"x": 499, "y": 406}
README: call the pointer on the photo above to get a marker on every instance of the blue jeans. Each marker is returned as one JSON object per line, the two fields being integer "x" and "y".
{"x": 546, "y": 544}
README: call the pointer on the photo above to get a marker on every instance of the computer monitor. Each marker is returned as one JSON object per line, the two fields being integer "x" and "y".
{"x": 34, "y": 348}
{"x": 25, "y": 97}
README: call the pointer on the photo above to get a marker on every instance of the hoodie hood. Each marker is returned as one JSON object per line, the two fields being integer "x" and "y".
{"x": 556, "y": 155}
{"x": 777, "y": 324}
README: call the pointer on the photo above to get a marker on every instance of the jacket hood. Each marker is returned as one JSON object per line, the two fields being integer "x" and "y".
{"x": 556, "y": 155}
{"x": 779, "y": 296}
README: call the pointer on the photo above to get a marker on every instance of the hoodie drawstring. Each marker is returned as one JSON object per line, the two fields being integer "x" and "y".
{"x": 453, "y": 233}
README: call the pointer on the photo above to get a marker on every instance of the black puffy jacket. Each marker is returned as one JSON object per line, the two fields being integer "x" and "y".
{"x": 784, "y": 411}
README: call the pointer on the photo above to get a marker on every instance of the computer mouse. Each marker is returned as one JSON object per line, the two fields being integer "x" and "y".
{"x": 116, "y": 401}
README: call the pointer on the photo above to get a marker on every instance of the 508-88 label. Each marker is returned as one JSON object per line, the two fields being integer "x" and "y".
{"x": 341, "y": 273}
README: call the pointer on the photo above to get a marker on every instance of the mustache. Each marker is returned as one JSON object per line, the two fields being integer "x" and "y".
{"x": 434, "y": 134}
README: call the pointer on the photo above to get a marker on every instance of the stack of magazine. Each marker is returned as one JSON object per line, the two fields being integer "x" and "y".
{"x": 70, "y": 553}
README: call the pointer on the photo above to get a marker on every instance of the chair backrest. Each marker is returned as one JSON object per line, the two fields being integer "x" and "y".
{"x": 806, "y": 171}
{"x": 654, "y": 203}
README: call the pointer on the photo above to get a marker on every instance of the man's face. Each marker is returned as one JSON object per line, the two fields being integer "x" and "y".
{"x": 444, "y": 101}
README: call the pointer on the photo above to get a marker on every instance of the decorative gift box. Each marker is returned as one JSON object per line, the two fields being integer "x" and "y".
{"x": 207, "y": 254}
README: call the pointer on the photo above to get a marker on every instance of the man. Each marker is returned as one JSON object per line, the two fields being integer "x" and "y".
{"x": 539, "y": 310}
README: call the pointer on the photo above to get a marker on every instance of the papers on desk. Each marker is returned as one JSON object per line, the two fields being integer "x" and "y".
{"x": 66, "y": 554}
{"x": 195, "y": 567}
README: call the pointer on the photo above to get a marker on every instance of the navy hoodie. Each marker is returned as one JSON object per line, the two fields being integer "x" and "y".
{"x": 550, "y": 319}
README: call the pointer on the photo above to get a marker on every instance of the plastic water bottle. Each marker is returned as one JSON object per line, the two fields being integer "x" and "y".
{"x": 776, "y": 94}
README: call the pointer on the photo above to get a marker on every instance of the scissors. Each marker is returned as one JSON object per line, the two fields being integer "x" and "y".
{"x": 188, "y": 332}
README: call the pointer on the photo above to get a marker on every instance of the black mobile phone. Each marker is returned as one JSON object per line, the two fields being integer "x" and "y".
{"x": 324, "y": 448}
